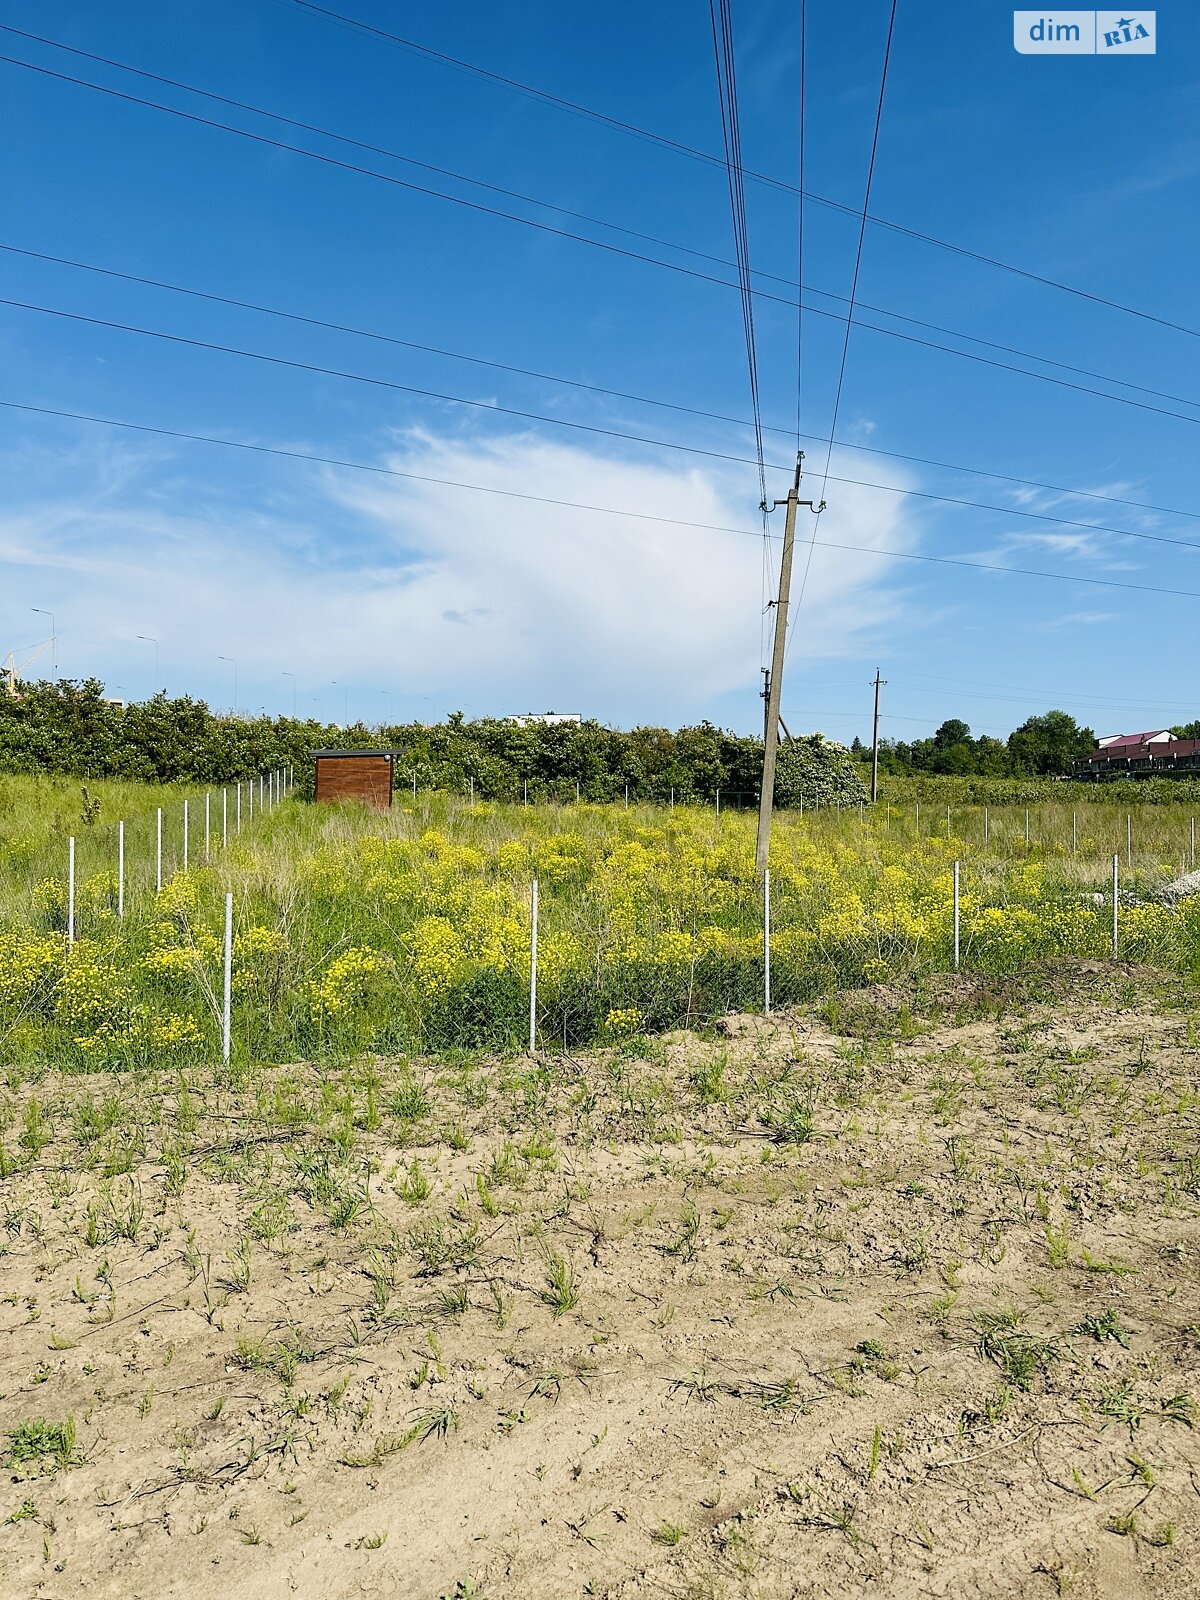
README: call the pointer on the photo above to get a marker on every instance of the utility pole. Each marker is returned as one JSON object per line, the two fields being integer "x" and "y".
{"x": 875, "y": 742}
{"x": 766, "y": 799}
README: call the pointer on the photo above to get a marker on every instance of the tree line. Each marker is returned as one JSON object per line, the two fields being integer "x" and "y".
{"x": 1048, "y": 745}
{"x": 72, "y": 728}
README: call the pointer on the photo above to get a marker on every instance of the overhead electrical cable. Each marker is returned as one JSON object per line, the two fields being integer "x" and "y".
{"x": 727, "y": 96}
{"x": 578, "y": 238}
{"x": 858, "y": 257}
{"x": 682, "y": 148}
{"x": 800, "y": 219}
{"x": 329, "y": 325}
{"x": 511, "y": 494}
{"x": 493, "y": 407}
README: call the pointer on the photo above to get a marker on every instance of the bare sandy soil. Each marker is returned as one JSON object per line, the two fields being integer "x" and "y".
{"x": 900, "y": 1297}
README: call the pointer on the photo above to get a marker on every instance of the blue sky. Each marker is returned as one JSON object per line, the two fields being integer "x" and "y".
{"x": 397, "y": 597}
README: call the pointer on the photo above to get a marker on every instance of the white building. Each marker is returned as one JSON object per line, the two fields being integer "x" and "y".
{"x": 548, "y": 719}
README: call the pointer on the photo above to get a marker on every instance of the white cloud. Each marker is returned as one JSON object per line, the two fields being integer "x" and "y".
{"x": 1075, "y": 619}
{"x": 435, "y": 592}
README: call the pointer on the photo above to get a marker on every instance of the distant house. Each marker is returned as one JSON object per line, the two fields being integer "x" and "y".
{"x": 1140, "y": 755}
{"x": 548, "y": 719}
{"x": 1134, "y": 741}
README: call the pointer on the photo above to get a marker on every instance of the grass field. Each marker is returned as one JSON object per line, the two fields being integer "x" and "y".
{"x": 892, "y": 1291}
{"x": 411, "y": 931}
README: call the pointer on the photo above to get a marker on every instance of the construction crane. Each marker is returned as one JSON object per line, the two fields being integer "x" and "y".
{"x": 16, "y": 671}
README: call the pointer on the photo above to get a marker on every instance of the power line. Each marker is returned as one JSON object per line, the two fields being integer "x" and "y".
{"x": 1023, "y": 572}
{"x": 576, "y": 383}
{"x": 563, "y": 422}
{"x": 1082, "y": 701}
{"x": 915, "y": 683}
{"x": 363, "y": 466}
{"x": 512, "y": 494}
{"x": 681, "y": 148}
{"x": 800, "y": 218}
{"x": 727, "y": 96}
{"x": 1097, "y": 702}
{"x": 858, "y": 255}
{"x": 566, "y": 233}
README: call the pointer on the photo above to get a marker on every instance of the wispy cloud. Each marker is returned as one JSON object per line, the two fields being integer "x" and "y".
{"x": 1074, "y": 619}
{"x": 478, "y": 600}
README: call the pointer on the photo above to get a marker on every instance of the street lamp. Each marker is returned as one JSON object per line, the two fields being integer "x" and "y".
{"x": 292, "y": 676}
{"x": 53, "y": 640}
{"x": 233, "y": 664}
{"x": 345, "y": 701}
{"x": 146, "y": 639}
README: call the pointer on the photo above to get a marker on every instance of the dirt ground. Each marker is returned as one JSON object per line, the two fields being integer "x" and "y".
{"x": 897, "y": 1297}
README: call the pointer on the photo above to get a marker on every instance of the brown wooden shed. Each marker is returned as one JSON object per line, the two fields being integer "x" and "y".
{"x": 364, "y": 775}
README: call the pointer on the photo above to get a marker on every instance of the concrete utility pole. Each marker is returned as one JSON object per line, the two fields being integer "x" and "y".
{"x": 766, "y": 799}
{"x": 875, "y": 741}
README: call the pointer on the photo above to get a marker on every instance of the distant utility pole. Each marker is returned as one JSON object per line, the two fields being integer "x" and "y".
{"x": 766, "y": 799}
{"x": 148, "y": 639}
{"x": 53, "y": 640}
{"x": 875, "y": 741}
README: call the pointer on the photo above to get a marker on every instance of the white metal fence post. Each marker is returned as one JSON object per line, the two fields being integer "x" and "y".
{"x": 250, "y": 800}
{"x": 207, "y": 824}
{"x": 226, "y": 1008}
{"x": 767, "y": 939}
{"x": 533, "y": 965}
{"x": 239, "y": 808}
{"x": 957, "y": 941}
{"x": 1129, "y": 840}
{"x": 987, "y": 828}
{"x": 158, "y": 852}
{"x": 120, "y": 869}
{"x": 1116, "y": 903}
{"x": 1074, "y": 833}
{"x": 71, "y": 890}
{"x": 1193, "y": 850}
{"x": 185, "y": 835}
